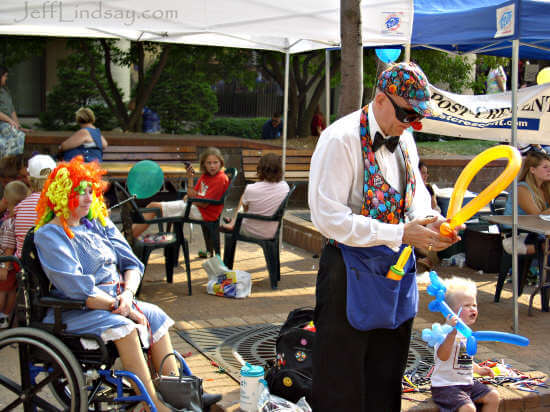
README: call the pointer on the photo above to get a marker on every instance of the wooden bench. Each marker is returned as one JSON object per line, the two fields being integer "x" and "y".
{"x": 119, "y": 159}
{"x": 297, "y": 164}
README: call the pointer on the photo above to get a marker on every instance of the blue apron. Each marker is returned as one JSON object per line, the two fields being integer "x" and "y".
{"x": 374, "y": 301}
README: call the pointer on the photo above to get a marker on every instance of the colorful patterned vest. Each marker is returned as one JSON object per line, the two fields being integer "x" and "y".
{"x": 381, "y": 201}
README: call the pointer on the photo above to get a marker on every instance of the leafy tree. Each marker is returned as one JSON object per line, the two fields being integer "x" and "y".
{"x": 101, "y": 54}
{"x": 16, "y": 49}
{"x": 75, "y": 89}
{"x": 441, "y": 67}
{"x": 306, "y": 84}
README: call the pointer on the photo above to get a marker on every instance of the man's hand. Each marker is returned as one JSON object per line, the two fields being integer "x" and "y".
{"x": 424, "y": 233}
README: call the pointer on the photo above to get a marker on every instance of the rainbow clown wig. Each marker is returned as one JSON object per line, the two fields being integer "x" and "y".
{"x": 60, "y": 195}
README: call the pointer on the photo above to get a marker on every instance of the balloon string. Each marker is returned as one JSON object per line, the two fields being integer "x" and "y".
{"x": 123, "y": 202}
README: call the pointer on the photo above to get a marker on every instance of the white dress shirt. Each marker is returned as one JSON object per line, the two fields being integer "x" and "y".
{"x": 336, "y": 182}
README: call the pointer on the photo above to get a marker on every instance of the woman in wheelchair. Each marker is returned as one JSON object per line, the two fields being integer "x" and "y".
{"x": 85, "y": 257}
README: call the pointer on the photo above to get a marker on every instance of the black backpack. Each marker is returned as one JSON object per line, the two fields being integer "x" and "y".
{"x": 290, "y": 374}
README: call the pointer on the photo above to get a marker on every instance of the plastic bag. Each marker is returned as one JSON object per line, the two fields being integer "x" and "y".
{"x": 231, "y": 284}
{"x": 271, "y": 403}
{"x": 215, "y": 267}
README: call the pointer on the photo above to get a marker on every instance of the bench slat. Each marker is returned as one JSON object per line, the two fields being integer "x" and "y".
{"x": 289, "y": 152}
{"x": 305, "y": 167}
{"x": 151, "y": 149}
{"x": 151, "y": 156}
{"x": 289, "y": 159}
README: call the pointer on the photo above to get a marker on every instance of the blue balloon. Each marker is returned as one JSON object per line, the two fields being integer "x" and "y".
{"x": 437, "y": 289}
{"x": 145, "y": 179}
{"x": 388, "y": 55}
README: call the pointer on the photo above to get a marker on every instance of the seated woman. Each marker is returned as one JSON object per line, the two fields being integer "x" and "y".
{"x": 87, "y": 142}
{"x": 533, "y": 198}
{"x": 262, "y": 198}
{"x": 85, "y": 257}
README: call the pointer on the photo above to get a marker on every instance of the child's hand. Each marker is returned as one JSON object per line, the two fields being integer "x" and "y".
{"x": 452, "y": 320}
{"x": 3, "y": 274}
{"x": 486, "y": 371}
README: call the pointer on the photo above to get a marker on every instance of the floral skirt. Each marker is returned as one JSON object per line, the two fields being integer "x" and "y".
{"x": 12, "y": 140}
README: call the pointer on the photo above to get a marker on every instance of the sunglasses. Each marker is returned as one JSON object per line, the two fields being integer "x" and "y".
{"x": 402, "y": 114}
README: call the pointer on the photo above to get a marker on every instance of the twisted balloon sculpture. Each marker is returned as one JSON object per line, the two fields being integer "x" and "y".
{"x": 437, "y": 289}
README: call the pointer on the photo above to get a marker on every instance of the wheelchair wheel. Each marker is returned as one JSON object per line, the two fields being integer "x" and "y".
{"x": 33, "y": 359}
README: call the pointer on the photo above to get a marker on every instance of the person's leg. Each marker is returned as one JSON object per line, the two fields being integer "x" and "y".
{"x": 3, "y": 302}
{"x": 385, "y": 363}
{"x": 467, "y": 407}
{"x": 486, "y": 396}
{"x": 131, "y": 356}
{"x": 139, "y": 228}
{"x": 159, "y": 350}
{"x": 338, "y": 353}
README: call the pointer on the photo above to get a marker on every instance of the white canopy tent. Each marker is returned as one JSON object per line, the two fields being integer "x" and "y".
{"x": 287, "y": 26}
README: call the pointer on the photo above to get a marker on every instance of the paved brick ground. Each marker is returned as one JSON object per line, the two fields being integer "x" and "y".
{"x": 297, "y": 288}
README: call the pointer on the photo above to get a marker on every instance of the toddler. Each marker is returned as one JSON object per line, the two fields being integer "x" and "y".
{"x": 453, "y": 386}
{"x": 14, "y": 193}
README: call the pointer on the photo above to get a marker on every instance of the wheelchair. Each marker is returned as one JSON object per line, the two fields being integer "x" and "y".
{"x": 55, "y": 372}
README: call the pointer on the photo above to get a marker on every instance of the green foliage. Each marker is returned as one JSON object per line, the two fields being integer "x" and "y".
{"x": 74, "y": 90}
{"x": 483, "y": 65}
{"x": 179, "y": 100}
{"x": 16, "y": 49}
{"x": 249, "y": 128}
{"x": 441, "y": 67}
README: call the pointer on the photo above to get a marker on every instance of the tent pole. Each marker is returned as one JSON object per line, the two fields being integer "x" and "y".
{"x": 285, "y": 128}
{"x": 514, "y": 142}
{"x": 285, "y": 109}
{"x": 327, "y": 86}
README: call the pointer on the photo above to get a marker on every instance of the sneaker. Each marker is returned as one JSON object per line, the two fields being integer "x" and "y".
{"x": 4, "y": 321}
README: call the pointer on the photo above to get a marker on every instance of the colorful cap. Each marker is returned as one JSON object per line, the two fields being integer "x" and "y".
{"x": 407, "y": 80}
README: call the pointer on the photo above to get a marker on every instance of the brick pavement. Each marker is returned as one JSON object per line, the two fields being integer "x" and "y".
{"x": 297, "y": 288}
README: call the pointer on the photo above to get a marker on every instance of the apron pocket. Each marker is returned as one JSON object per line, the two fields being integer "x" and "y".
{"x": 372, "y": 299}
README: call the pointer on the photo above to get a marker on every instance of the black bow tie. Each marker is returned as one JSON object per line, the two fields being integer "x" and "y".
{"x": 390, "y": 142}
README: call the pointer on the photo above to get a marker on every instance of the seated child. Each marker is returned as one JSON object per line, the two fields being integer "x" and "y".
{"x": 453, "y": 386}
{"x": 262, "y": 198}
{"x": 211, "y": 185}
{"x": 14, "y": 193}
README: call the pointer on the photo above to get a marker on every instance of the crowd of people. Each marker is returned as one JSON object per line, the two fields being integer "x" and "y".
{"x": 369, "y": 195}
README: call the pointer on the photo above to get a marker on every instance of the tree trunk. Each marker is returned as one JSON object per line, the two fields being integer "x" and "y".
{"x": 351, "y": 90}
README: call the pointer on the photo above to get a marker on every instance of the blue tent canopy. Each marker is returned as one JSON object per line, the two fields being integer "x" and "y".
{"x": 465, "y": 26}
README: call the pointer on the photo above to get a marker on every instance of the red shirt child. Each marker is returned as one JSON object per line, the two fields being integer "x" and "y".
{"x": 211, "y": 187}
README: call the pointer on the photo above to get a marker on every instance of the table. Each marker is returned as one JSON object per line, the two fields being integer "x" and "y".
{"x": 170, "y": 170}
{"x": 532, "y": 223}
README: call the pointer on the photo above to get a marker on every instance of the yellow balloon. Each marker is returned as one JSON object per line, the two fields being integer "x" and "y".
{"x": 456, "y": 217}
{"x": 543, "y": 76}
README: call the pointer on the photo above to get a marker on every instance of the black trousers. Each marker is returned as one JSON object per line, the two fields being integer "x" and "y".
{"x": 353, "y": 370}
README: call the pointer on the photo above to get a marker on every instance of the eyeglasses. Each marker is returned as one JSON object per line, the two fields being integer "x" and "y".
{"x": 402, "y": 114}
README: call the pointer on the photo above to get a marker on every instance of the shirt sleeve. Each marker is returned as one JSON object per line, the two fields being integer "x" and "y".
{"x": 245, "y": 196}
{"x": 6, "y": 103}
{"x": 61, "y": 264}
{"x": 126, "y": 259}
{"x": 7, "y": 234}
{"x": 334, "y": 168}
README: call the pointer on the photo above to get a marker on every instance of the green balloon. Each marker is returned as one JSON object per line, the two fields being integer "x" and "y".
{"x": 145, "y": 179}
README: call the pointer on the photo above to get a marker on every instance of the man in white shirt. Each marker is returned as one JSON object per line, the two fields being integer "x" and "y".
{"x": 367, "y": 196}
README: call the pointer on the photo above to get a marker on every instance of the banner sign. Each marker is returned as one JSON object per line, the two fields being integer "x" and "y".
{"x": 489, "y": 117}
